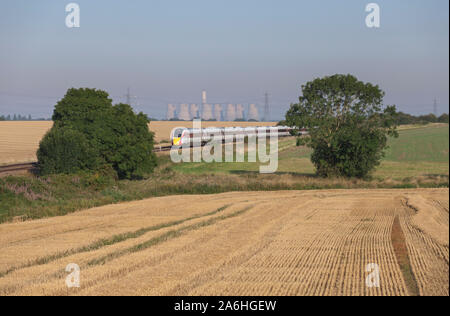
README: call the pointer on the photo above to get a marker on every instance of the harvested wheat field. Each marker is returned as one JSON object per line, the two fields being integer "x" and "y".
{"x": 257, "y": 243}
{"x": 19, "y": 141}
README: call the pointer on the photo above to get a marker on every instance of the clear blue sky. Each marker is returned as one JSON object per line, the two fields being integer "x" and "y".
{"x": 169, "y": 50}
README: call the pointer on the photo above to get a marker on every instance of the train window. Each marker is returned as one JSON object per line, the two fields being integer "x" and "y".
{"x": 178, "y": 132}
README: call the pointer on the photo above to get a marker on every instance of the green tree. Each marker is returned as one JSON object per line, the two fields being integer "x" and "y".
{"x": 347, "y": 123}
{"x": 114, "y": 134}
{"x": 443, "y": 118}
{"x": 2, "y": 118}
{"x": 404, "y": 119}
{"x": 64, "y": 150}
{"x": 130, "y": 150}
{"x": 429, "y": 118}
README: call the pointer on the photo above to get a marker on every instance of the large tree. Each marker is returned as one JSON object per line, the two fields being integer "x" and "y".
{"x": 104, "y": 135}
{"x": 347, "y": 122}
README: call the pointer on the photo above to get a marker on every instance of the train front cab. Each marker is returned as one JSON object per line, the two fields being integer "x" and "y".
{"x": 177, "y": 136}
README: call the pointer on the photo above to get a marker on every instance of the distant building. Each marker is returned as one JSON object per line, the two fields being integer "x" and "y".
{"x": 207, "y": 113}
{"x": 239, "y": 112}
{"x": 253, "y": 113}
{"x": 195, "y": 111}
{"x": 204, "y": 100}
{"x": 184, "y": 114}
{"x": 171, "y": 112}
{"x": 218, "y": 112}
{"x": 231, "y": 112}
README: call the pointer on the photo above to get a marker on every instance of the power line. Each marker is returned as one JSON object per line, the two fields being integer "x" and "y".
{"x": 128, "y": 97}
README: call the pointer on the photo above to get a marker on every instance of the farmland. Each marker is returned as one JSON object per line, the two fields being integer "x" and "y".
{"x": 418, "y": 152}
{"x": 242, "y": 243}
{"x": 20, "y": 140}
{"x": 185, "y": 240}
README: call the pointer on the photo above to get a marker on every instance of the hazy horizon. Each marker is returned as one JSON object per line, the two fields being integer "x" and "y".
{"x": 169, "y": 51}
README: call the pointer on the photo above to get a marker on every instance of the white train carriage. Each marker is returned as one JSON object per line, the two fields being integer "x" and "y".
{"x": 199, "y": 137}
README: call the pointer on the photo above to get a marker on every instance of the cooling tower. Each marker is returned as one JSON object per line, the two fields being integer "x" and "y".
{"x": 171, "y": 111}
{"x": 194, "y": 111}
{"x": 231, "y": 112}
{"x": 239, "y": 112}
{"x": 184, "y": 113}
{"x": 207, "y": 114}
{"x": 253, "y": 112}
{"x": 218, "y": 112}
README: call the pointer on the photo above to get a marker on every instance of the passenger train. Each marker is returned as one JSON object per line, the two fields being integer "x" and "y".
{"x": 201, "y": 136}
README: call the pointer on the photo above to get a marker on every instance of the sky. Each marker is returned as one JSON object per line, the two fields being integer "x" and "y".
{"x": 168, "y": 51}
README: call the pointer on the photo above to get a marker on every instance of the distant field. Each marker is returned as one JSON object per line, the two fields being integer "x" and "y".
{"x": 419, "y": 151}
{"x": 420, "y": 144}
{"x": 241, "y": 243}
{"x": 20, "y": 140}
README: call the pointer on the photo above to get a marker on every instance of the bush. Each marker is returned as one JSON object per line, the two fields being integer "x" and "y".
{"x": 63, "y": 150}
{"x": 443, "y": 118}
{"x": 131, "y": 148}
{"x": 353, "y": 152}
{"x": 108, "y": 136}
{"x": 347, "y": 124}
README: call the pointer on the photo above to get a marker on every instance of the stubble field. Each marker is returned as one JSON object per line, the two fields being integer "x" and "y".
{"x": 243, "y": 243}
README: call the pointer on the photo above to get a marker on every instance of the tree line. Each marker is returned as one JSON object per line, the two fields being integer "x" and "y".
{"x": 18, "y": 117}
{"x": 15, "y": 117}
{"x": 406, "y": 119}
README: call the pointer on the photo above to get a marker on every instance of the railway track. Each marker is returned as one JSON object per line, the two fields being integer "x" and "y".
{"x": 17, "y": 167}
{"x": 158, "y": 149}
{"x": 14, "y": 168}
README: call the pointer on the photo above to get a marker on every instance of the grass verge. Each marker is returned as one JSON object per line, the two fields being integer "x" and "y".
{"x": 24, "y": 198}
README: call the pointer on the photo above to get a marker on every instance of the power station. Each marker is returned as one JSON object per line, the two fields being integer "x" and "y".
{"x": 215, "y": 112}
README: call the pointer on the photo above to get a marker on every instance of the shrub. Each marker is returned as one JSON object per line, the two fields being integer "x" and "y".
{"x": 64, "y": 150}
{"x": 443, "y": 118}
{"x": 131, "y": 148}
{"x": 353, "y": 152}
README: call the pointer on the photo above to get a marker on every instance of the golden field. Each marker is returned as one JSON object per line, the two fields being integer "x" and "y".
{"x": 20, "y": 140}
{"x": 242, "y": 243}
